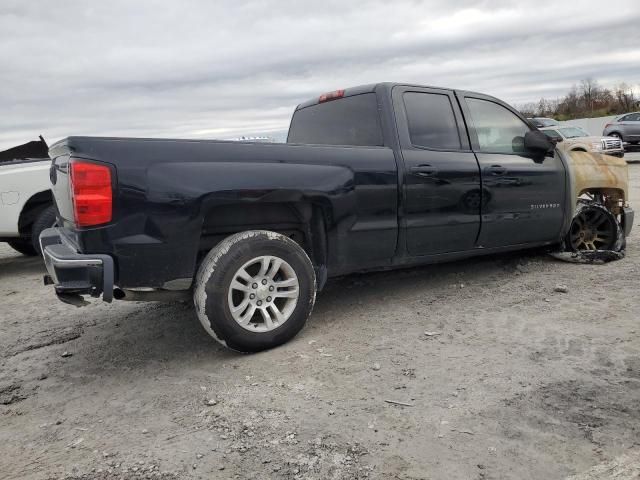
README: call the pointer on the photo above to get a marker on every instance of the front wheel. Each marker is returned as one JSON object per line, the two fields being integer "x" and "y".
{"x": 594, "y": 228}
{"x": 255, "y": 290}
{"x": 615, "y": 134}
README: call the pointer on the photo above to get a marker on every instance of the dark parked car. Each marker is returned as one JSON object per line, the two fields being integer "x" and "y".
{"x": 626, "y": 127}
{"x": 540, "y": 122}
{"x": 373, "y": 177}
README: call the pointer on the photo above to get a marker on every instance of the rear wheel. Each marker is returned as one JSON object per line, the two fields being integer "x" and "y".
{"x": 23, "y": 246}
{"x": 255, "y": 290}
{"x": 45, "y": 219}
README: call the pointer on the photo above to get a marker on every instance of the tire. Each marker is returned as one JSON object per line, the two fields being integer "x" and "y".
{"x": 617, "y": 135}
{"x": 45, "y": 219}
{"x": 227, "y": 278}
{"x": 23, "y": 246}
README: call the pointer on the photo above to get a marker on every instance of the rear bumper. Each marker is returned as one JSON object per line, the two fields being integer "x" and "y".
{"x": 627, "y": 220}
{"x": 73, "y": 274}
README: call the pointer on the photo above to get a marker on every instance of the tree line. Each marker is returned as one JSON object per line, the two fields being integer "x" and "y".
{"x": 587, "y": 100}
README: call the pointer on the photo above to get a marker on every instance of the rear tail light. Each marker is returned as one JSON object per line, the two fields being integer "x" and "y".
{"x": 331, "y": 96}
{"x": 91, "y": 193}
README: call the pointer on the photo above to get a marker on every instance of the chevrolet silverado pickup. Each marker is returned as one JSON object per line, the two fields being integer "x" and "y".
{"x": 372, "y": 177}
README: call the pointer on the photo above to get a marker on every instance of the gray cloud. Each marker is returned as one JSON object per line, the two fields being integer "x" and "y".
{"x": 219, "y": 69}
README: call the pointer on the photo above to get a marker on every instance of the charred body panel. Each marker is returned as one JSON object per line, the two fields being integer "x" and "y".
{"x": 598, "y": 172}
{"x": 601, "y": 181}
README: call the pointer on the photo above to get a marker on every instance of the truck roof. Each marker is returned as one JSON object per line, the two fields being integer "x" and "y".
{"x": 372, "y": 87}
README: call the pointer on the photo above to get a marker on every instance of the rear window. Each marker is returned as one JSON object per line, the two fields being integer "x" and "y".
{"x": 349, "y": 121}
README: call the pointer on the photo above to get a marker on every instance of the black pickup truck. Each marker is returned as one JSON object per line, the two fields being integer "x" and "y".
{"x": 372, "y": 177}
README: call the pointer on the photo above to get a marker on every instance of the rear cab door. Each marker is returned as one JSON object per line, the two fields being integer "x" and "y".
{"x": 523, "y": 194}
{"x": 440, "y": 175}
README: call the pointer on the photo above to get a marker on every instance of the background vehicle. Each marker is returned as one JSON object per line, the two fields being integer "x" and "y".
{"x": 540, "y": 122}
{"x": 626, "y": 127}
{"x": 377, "y": 176}
{"x": 576, "y": 139}
{"x": 26, "y": 203}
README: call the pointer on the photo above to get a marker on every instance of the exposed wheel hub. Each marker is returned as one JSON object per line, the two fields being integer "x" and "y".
{"x": 592, "y": 229}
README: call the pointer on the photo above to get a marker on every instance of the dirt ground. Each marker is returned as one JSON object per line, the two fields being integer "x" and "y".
{"x": 496, "y": 374}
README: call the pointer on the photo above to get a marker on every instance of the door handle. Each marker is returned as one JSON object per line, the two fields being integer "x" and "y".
{"x": 424, "y": 170}
{"x": 496, "y": 170}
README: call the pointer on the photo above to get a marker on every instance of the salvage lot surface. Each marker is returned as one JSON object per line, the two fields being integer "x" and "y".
{"x": 502, "y": 376}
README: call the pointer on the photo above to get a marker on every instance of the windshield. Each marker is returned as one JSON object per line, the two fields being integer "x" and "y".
{"x": 573, "y": 132}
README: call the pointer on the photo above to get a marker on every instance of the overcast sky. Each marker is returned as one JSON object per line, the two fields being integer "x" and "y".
{"x": 225, "y": 68}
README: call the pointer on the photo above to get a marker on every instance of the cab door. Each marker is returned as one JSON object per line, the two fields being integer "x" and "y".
{"x": 441, "y": 178}
{"x": 523, "y": 194}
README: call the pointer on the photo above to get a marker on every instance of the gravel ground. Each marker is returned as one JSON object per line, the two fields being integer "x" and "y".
{"x": 495, "y": 373}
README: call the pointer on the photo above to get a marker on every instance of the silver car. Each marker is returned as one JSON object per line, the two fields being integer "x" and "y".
{"x": 626, "y": 127}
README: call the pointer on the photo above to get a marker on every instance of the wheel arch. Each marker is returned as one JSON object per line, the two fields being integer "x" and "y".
{"x": 33, "y": 206}
{"x": 305, "y": 222}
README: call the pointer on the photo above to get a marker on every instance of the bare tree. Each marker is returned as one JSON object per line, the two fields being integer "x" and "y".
{"x": 625, "y": 97}
{"x": 586, "y": 100}
{"x": 589, "y": 88}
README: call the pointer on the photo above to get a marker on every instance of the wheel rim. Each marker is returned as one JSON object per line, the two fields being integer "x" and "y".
{"x": 263, "y": 293}
{"x": 592, "y": 229}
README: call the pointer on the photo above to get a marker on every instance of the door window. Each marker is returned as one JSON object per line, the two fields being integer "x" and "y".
{"x": 431, "y": 120}
{"x": 498, "y": 129}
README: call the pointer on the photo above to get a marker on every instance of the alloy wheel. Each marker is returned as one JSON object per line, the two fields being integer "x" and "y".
{"x": 263, "y": 293}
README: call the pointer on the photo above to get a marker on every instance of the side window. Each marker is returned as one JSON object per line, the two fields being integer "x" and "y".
{"x": 431, "y": 120}
{"x": 632, "y": 117}
{"x": 498, "y": 129}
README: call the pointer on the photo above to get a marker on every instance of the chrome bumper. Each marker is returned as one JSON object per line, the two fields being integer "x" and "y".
{"x": 73, "y": 274}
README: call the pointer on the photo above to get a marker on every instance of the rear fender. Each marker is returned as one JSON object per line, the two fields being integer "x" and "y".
{"x": 210, "y": 190}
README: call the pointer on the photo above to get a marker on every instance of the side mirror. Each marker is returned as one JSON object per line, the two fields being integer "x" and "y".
{"x": 537, "y": 142}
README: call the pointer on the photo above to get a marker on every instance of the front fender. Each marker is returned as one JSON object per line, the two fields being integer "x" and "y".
{"x": 588, "y": 172}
